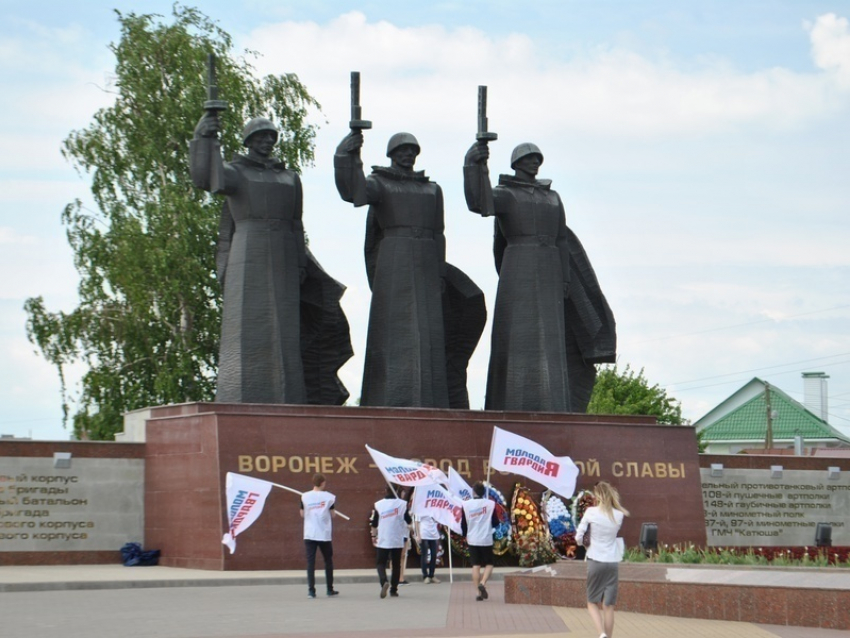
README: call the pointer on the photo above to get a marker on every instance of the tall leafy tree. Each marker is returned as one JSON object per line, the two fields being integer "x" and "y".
{"x": 147, "y": 323}
{"x": 627, "y": 392}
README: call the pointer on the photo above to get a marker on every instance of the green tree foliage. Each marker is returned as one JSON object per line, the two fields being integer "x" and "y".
{"x": 628, "y": 392}
{"x": 147, "y": 324}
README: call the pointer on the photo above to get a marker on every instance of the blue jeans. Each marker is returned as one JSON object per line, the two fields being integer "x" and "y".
{"x": 428, "y": 556}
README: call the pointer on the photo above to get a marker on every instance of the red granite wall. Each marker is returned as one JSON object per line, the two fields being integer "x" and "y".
{"x": 191, "y": 448}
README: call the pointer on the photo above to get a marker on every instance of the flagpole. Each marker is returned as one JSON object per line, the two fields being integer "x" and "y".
{"x": 294, "y": 491}
{"x": 449, "y": 549}
{"x": 288, "y": 489}
{"x": 490, "y": 460}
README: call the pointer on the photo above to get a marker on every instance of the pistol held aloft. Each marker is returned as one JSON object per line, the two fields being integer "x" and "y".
{"x": 209, "y": 125}
{"x": 478, "y": 153}
{"x": 352, "y": 142}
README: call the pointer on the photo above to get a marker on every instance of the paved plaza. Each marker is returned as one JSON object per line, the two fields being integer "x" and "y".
{"x": 111, "y": 601}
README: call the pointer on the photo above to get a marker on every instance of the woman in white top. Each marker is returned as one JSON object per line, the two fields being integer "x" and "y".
{"x": 603, "y": 523}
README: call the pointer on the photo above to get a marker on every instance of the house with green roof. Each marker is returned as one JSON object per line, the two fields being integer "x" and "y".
{"x": 741, "y": 422}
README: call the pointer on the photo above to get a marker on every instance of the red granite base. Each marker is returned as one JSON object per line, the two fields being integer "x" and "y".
{"x": 645, "y": 589}
{"x": 60, "y": 558}
{"x": 190, "y": 448}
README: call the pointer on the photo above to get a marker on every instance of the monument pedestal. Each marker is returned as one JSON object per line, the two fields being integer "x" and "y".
{"x": 191, "y": 447}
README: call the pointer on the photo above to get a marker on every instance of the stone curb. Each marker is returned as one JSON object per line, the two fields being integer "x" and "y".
{"x": 340, "y": 578}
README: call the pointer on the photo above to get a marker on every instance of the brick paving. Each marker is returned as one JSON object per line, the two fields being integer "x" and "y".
{"x": 117, "y": 602}
{"x": 469, "y": 617}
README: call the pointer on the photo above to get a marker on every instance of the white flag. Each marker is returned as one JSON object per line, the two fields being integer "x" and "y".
{"x": 406, "y": 472}
{"x": 510, "y": 452}
{"x": 436, "y": 502}
{"x": 246, "y": 497}
{"x": 459, "y": 487}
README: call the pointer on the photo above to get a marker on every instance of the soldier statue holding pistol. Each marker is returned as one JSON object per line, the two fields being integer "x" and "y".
{"x": 262, "y": 263}
{"x": 551, "y": 324}
{"x": 405, "y": 249}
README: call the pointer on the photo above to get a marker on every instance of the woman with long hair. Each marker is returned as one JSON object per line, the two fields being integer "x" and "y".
{"x": 602, "y": 523}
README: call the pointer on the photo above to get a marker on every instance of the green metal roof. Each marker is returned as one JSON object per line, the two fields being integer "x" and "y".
{"x": 748, "y": 422}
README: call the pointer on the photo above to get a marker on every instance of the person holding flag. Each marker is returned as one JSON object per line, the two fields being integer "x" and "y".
{"x": 390, "y": 519}
{"x": 434, "y": 505}
{"x": 317, "y": 510}
{"x": 479, "y": 520}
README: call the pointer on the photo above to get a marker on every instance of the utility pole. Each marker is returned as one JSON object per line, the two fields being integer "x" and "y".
{"x": 768, "y": 439}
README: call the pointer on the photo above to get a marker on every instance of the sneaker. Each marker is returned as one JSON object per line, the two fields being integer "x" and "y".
{"x": 483, "y": 591}
{"x": 393, "y": 594}
{"x": 435, "y": 580}
{"x": 426, "y": 580}
{"x": 479, "y": 598}
{"x": 384, "y": 589}
{"x": 311, "y": 594}
{"x": 403, "y": 582}
{"x": 333, "y": 592}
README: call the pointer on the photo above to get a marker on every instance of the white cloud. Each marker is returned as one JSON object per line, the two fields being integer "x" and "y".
{"x": 30, "y": 389}
{"x": 830, "y": 37}
{"x": 428, "y": 74}
{"x": 37, "y": 266}
{"x": 10, "y": 236}
{"x": 34, "y": 192}
{"x": 52, "y": 77}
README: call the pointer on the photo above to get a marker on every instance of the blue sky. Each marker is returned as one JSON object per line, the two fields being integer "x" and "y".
{"x": 700, "y": 150}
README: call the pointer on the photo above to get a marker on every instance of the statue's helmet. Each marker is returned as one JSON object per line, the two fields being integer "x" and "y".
{"x": 524, "y": 149}
{"x": 255, "y": 126}
{"x": 400, "y": 139}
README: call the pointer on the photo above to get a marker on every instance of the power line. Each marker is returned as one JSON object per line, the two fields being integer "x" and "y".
{"x": 738, "y": 325}
{"x": 739, "y": 380}
{"x": 781, "y": 365}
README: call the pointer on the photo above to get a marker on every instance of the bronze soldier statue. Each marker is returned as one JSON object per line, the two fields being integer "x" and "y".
{"x": 405, "y": 362}
{"x": 551, "y": 323}
{"x": 260, "y": 355}
{"x": 269, "y": 279}
{"x": 426, "y": 316}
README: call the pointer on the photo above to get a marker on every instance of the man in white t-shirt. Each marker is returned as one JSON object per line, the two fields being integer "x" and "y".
{"x": 479, "y": 519}
{"x": 317, "y": 509}
{"x": 390, "y": 519}
{"x": 428, "y": 537}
